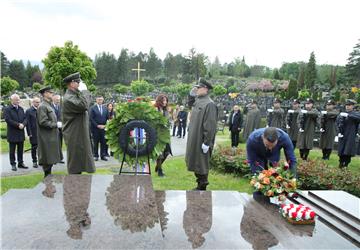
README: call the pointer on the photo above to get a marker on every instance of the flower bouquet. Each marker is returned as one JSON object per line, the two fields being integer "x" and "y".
{"x": 275, "y": 182}
{"x": 298, "y": 214}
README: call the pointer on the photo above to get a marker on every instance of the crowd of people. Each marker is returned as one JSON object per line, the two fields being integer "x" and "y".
{"x": 83, "y": 129}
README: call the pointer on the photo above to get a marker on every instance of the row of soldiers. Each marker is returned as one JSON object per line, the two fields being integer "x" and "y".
{"x": 332, "y": 124}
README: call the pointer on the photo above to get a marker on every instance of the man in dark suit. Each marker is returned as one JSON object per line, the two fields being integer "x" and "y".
{"x": 98, "y": 118}
{"x": 57, "y": 108}
{"x": 16, "y": 122}
{"x": 182, "y": 118}
{"x": 31, "y": 128}
{"x": 235, "y": 125}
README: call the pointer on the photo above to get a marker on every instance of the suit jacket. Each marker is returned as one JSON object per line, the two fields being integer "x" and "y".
{"x": 96, "y": 118}
{"x": 182, "y": 115}
{"x": 236, "y": 123}
{"x": 13, "y": 117}
{"x": 31, "y": 127}
{"x": 57, "y": 112}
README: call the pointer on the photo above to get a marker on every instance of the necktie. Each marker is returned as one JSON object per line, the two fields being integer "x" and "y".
{"x": 100, "y": 109}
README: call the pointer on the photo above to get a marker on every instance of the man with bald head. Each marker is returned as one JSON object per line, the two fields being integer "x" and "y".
{"x": 16, "y": 121}
{"x": 31, "y": 128}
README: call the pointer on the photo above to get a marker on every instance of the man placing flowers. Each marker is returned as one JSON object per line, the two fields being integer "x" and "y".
{"x": 263, "y": 149}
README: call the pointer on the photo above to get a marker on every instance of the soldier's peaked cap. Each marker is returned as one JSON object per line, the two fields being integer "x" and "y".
{"x": 72, "y": 77}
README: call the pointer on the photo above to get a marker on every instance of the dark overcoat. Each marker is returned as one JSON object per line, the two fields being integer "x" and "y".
{"x": 31, "y": 127}
{"x": 13, "y": 117}
{"x": 348, "y": 127}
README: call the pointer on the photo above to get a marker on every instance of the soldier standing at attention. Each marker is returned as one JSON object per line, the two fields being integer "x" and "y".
{"x": 328, "y": 129}
{"x": 276, "y": 116}
{"x": 291, "y": 121}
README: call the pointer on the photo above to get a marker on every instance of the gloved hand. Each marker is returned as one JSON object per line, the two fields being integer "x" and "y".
{"x": 59, "y": 124}
{"x": 82, "y": 86}
{"x": 267, "y": 126}
{"x": 287, "y": 126}
{"x": 290, "y": 111}
{"x": 205, "y": 148}
{"x": 304, "y": 111}
{"x": 340, "y": 135}
{"x": 343, "y": 114}
{"x": 322, "y": 130}
{"x": 301, "y": 130}
{"x": 270, "y": 110}
{"x": 193, "y": 92}
{"x": 324, "y": 112}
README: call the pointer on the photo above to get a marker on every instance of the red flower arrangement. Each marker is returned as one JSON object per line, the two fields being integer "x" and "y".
{"x": 297, "y": 214}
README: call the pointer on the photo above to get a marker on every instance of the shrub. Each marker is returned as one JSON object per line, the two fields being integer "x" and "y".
{"x": 226, "y": 160}
{"x": 317, "y": 175}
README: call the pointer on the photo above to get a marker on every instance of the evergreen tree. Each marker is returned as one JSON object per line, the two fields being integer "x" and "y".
{"x": 123, "y": 67}
{"x": 106, "y": 68}
{"x": 33, "y": 74}
{"x": 241, "y": 68}
{"x": 292, "y": 91}
{"x": 215, "y": 67}
{"x": 276, "y": 74}
{"x": 353, "y": 65}
{"x": 5, "y": 64}
{"x": 310, "y": 73}
{"x": 18, "y": 73}
{"x": 301, "y": 78}
{"x": 333, "y": 77}
{"x": 153, "y": 64}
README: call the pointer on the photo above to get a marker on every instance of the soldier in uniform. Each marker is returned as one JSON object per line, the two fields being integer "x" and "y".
{"x": 202, "y": 131}
{"x": 276, "y": 116}
{"x": 76, "y": 126}
{"x": 31, "y": 128}
{"x": 308, "y": 120}
{"x": 291, "y": 121}
{"x": 252, "y": 120}
{"x": 347, "y": 124}
{"x": 328, "y": 129}
{"x": 48, "y": 133}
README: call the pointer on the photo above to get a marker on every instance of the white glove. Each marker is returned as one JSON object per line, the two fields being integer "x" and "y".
{"x": 340, "y": 135}
{"x": 301, "y": 130}
{"x": 267, "y": 126}
{"x": 59, "y": 124}
{"x": 270, "y": 110}
{"x": 193, "y": 92}
{"x": 82, "y": 86}
{"x": 322, "y": 130}
{"x": 304, "y": 111}
{"x": 343, "y": 114}
{"x": 287, "y": 126}
{"x": 290, "y": 111}
{"x": 204, "y": 148}
{"x": 324, "y": 112}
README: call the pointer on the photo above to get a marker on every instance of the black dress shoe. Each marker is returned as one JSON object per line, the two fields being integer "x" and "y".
{"x": 62, "y": 161}
{"x": 96, "y": 158}
{"x": 104, "y": 158}
{"x": 35, "y": 165}
{"x": 13, "y": 167}
{"x": 21, "y": 165}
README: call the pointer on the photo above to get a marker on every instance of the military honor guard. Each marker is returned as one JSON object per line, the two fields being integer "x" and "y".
{"x": 276, "y": 116}
{"x": 291, "y": 121}
{"x": 328, "y": 129}
{"x": 252, "y": 119}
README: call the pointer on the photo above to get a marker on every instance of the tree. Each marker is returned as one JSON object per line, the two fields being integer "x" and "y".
{"x": 18, "y": 73}
{"x": 153, "y": 64}
{"x": 215, "y": 68}
{"x": 240, "y": 68}
{"x": 123, "y": 66}
{"x": 121, "y": 89}
{"x": 106, "y": 68}
{"x": 4, "y": 69}
{"x": 8, "y": 85}
{"x": 63, "y": 61}
{"x": 33, "y": 74}
{"x": 289, "y": 70}
{"x": 301, "y": 78}
{"x": 140, "y": 88}
{"x": 260, "y": 71}
{"x": 182, "y": 90}
{"x": 292, "y": 91}
{"x": 219, "y": 90}
{"x": 170, "y": 67}
{"x": 276, "y": 74}
{"x": 232, "y": 89}
{"x": 36, "y": 86}
{"x": 353, "y": 65}
{"x": 310, "y": 73}
{"x": 333, "y": 77}
{"x": 195, "y": 64}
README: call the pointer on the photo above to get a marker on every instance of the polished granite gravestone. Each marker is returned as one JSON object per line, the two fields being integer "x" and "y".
{"x": 124, "y": 212}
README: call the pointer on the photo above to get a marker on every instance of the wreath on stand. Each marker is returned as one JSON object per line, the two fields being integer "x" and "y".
{"x": 138, "y": 113}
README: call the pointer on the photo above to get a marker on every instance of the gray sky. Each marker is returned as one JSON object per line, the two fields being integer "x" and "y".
{"x": 266, "y": 32}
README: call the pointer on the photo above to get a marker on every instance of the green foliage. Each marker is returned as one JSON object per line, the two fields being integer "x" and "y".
{"x": 292, "y": 91}
{"x": 182, "y": 90}
{"x": 276, "y": 74}
{"x": 139, "y": 109}
{"x": 219, "y": 90}
{"x": 139, "y": 88}
{"x": 303, "y": 94}
{"x": 153, "y": 64}
{"x": 289, "y": 70}
{"x": 63, "y": 61}
{"x": 353, "y": 65}
{"x": 4, "y": 65}
{"x": 8, "y": 85}
{"x": 311, "y": 73}
{"x": 226, "y": 160}
{"x": 18, "y": 73}
{"x": 106, "y": 68}
{"x": 301, "y": 78}
{"x": 232, "y": 89}
{"x": 317, "y": 175}
{"x": 241, "y": 68}
{"x": 92, "y": 88}
{"x": 121, "y": 89}
{"x": 37, "y": 86}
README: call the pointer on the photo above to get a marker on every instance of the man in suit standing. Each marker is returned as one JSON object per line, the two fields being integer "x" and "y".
{"x": 31, "y": 128}
{"x": 16, "y": 122}
{"x": 57, "y": 108}
{"x": 182, "y": 118}
{"x": 98, "y": 118}
{"x": 235, "y": 125}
